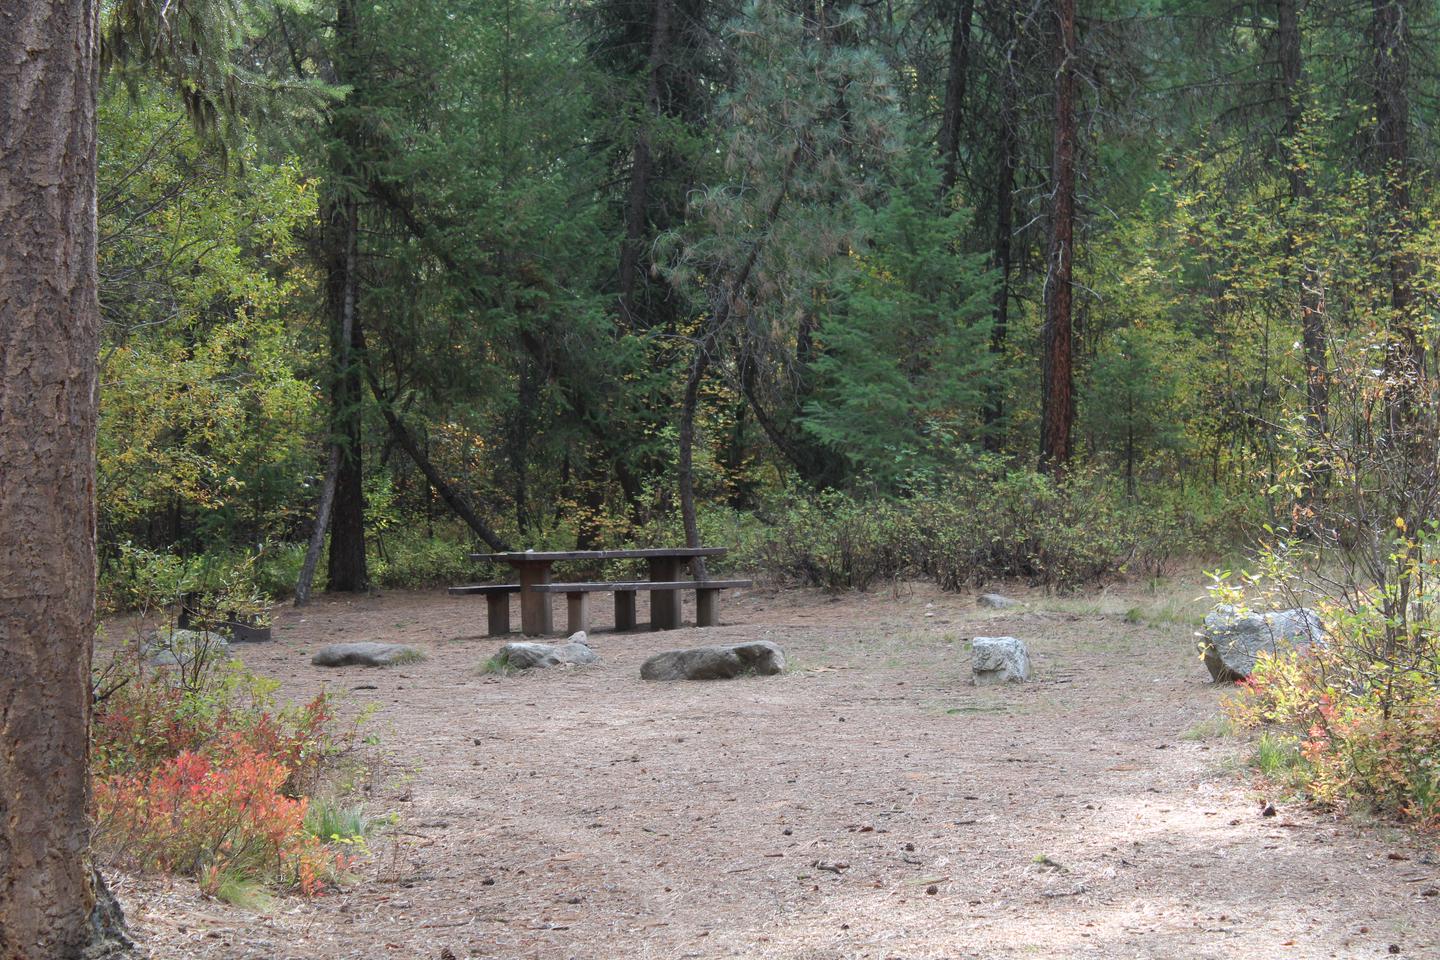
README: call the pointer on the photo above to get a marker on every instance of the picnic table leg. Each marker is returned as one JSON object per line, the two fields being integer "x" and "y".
{"x": 624, "y": 610}
{"x": 664, "y": 604}
{"x": 535, "y": 617}
{"x": 577, "y": 612}
{"x": 707, "y": 608}
{"x": 499, "y": 612}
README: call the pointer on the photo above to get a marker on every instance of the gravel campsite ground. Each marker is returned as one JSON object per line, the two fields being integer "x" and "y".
{"x": 870, "y": 802}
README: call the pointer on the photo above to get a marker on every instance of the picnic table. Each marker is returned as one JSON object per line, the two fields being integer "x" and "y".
{"x": 534, "y": 570}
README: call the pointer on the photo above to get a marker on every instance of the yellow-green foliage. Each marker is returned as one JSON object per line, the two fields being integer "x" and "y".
{"x": 201, "y": 402}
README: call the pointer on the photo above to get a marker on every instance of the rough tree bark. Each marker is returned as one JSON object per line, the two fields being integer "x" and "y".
{"x": 52, "y": 904}
{"x": 1058, "y": 399}
{"x": 958, "y": 67}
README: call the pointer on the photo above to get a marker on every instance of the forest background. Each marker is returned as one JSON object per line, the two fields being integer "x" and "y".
{"x": 955, "y": 289}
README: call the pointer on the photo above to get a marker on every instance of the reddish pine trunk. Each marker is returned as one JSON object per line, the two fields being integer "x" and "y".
{"x": 49, "y": 344}
{"x": 1058, "y": 398}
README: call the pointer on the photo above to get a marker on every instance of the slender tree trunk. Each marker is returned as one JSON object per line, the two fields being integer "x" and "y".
{"x": 1004, "y": 221}
{"x": 317, "y": 533}
{"x": 961, "y": 13}
{"x": 52, "y": 906}
{"x": 699, "y": 363}
{"x": 1058, "y": 400}
{"x": 1391, "y": 41}
{"x": 1304, "y": 274}
{"x": 347, "y": 213}
{"x": 642, "y": 164}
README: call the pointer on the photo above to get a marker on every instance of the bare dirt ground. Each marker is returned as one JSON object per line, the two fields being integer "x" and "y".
{"x": 868, "y": 803}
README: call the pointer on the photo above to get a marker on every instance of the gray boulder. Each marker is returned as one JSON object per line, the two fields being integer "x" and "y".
{"x": 180, "y": 647}
{"x": 366, "y": 655}
{"x": 996, "y": 601}
{"x": 759, "y": 657}
{"x": 996, "y": 660}
{"x": 1231, "y": 640}
{"x": 524, "y": 655}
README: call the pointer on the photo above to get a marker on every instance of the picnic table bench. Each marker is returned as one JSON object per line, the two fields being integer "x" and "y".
{"x": 536, "y": 586}
{"x": 577, "y": 595}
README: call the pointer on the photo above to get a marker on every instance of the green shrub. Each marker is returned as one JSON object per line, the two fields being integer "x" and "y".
{"x": 995, "y": 523}
{"x": 404, "y": 559}
{"x": 839, "y": 542}
{"x": 242, "y": 582}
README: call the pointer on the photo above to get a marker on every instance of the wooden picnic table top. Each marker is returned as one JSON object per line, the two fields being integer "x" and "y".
{"x": 648, "y": 553}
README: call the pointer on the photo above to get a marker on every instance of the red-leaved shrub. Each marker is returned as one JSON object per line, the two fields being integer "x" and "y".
{"x": 211, "y": 814}
{"x": 211, "y": 780}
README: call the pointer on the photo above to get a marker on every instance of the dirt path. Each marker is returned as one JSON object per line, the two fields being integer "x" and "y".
{"x": 586, "y": 814}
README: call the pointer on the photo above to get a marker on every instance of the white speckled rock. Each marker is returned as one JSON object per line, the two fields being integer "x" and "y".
{"x": 999, "y": 660}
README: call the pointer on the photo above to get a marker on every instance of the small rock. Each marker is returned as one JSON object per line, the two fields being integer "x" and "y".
{"x": 932, "y": 890}
{"x": 1231, "y": 641}
{"x": 715, "y": 663}
{"x": 526, "y": 655}
{"x": 996, "y": 601}
{"x": 366, "y": 655}
{"x": 998, "y": 660}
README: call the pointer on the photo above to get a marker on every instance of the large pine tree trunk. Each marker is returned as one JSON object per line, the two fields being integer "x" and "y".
{"x": 1058, "y": 398}
{"x": 49, "y": 344}
{"x": 347, "y": 568}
